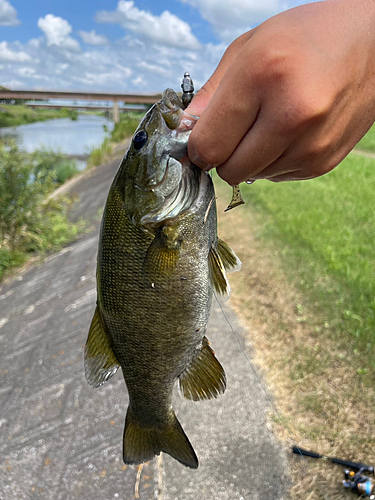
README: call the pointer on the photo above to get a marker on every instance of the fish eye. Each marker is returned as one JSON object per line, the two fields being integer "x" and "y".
{"x": 140, "y": 139}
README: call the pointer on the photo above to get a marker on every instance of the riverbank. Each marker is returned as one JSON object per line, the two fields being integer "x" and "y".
{"x": 12, "y": 115}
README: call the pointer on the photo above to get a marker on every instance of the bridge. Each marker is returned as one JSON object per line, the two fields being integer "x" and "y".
{"x": 114, "y": 98}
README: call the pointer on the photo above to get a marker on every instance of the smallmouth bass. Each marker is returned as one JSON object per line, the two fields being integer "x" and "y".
{"x": 159, "y": 259}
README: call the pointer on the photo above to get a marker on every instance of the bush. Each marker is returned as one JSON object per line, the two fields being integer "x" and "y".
{"x": 29, "y": 222}
{"x": 65, "y": 171}
{"x": 54, "y": 163}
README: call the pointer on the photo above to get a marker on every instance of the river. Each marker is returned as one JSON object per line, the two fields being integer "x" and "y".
{"x": 75, "y": 138}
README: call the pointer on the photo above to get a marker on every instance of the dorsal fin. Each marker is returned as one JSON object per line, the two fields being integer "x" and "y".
{"x": 100, "y": 361}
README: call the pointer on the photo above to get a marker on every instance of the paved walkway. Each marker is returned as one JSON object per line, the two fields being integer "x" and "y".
{"x": 61, "y": 439}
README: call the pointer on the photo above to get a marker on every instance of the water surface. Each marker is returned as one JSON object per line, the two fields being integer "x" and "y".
{"x": 63, "y": 134}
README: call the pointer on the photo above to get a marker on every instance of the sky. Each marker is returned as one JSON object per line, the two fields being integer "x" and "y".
{"x": 138, "y": 46}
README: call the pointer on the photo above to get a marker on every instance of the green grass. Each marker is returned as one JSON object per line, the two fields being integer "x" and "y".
{"x": 368, "y": 141}
{"x": 98, "y": 155}
{"x": 17, "y": 114}
{"x": 56, "y": 163}
{"x": 324, "y": 231}
{"x": 126, "y": 127}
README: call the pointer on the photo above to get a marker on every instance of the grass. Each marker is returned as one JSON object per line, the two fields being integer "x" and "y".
{"x": 18, "y": 114}
{"x": 53, "y": 162}
{"x": 324, "y": 228}
{"x": 125, "y": 128}
{"x": 306, "y": 295}
{"x": 368, "y": 141}
{"x": 98, "y": 155}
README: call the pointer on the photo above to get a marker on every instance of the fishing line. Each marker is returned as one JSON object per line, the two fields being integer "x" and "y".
{"x": 267, "y": 394}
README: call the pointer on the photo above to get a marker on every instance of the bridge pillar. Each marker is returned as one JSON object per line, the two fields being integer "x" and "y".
{"x": 116, "y": 113}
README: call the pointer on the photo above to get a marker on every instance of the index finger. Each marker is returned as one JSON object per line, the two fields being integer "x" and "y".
{"x": 204, "y": 95}
{"x": 230, "y": 106}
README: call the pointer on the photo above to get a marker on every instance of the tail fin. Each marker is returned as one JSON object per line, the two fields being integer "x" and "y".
{"x": 143, "y": 443}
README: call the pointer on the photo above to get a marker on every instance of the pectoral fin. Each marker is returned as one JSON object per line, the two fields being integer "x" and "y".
{"x": 163, "y": 253}
{"x": 100, "y": 361}
{"x": 221, "y": 258}
{"x": 218, "y": 278}
{"x": 229, "y": 259}
{"x": 205, "y": 377}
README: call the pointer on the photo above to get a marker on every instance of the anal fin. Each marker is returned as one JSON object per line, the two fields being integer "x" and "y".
{"x": 205, "y": 377}
{"x": 100, "y": 361}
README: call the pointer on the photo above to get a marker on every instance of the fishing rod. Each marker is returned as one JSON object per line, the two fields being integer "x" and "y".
{"x": 354, "y": 478}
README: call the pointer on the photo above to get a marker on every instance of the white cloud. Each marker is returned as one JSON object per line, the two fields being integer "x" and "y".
{"x": 54, "y": 60}
{"x": 7, "y": 54}
{"x": 92, "y": 38}
{"x": 139, "y": 81}
{"x": 164, "y": 29}
{"x": 26, "y": 71}
{"x": 8, "y": 14}
{"x": 230, "y": 19}
{"x": 57, "y": 32}
{"x": 123, "y": 66}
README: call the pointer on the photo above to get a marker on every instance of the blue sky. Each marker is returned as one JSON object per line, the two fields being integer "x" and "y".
{"x": 120, "y": 45}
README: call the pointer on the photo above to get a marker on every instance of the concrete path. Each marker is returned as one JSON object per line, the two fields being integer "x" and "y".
{"x": 61, "y": 439}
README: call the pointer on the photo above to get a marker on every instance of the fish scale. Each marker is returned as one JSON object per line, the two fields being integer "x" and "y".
{"x": 159, "y": 258}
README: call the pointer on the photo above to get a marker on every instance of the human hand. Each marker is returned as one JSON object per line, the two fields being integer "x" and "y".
{"x": 290, "y": 98}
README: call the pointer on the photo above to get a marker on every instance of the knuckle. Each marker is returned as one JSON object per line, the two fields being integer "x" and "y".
{"x": 207, "y": 90}
{"x": 318, "y": 147}
{"x": 202, "y": 153}
{"x": 274, "y": 60}
{"x": 312, "y": 103}
{"x": 311, "y": 108}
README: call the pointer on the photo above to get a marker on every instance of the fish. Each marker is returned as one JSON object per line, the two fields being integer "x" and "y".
{"x": 159, "y": 261}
